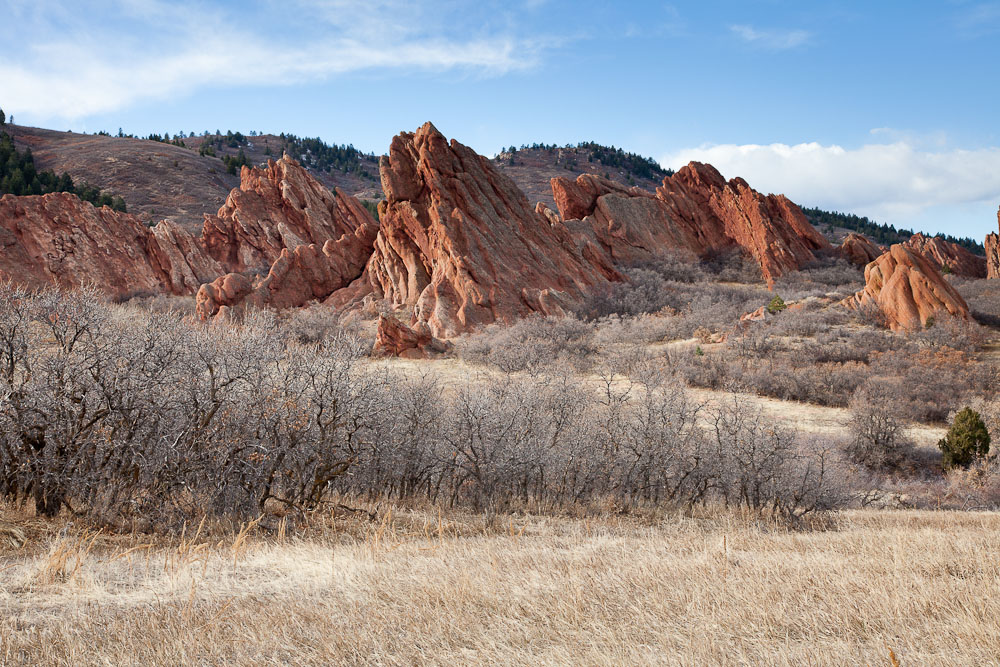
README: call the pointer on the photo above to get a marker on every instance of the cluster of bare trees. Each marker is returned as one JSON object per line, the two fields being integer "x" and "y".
{"x": 121, "y": 414}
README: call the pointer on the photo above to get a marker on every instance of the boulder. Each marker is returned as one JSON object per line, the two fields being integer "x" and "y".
{"x": 948, "y": 257}
{"x": 695, "y": 210}
{"x": 908, "y": 289}
{"x": 395, "y": 339}
{"x": 460, "y": 246}
{"x": 859, "y": 249}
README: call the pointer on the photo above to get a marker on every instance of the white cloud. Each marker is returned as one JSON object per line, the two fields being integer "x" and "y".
{"x": 771, "y": 39}
{"x": 160, "y": 50}
{"x": 892, "y": 182}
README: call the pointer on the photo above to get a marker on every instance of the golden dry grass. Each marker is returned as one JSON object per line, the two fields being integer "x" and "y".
{"x": 410, "y": 588}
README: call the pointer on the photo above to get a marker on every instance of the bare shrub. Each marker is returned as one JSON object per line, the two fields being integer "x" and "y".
{"x": 878, "y": 426}
{"x": 983, "y": 297}
{"x": 314, "y": 324}
{"x": 762, "y": 469}
{"x": 826, "y": 275}
{"x": 530, "y": 344}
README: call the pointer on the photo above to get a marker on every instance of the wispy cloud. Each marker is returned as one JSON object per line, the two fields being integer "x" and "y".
{"x": 771, "y": 39}
{"x": 157, "y": 50}
{"x": 978, "y": 20}
{"x": 892, "y": 182}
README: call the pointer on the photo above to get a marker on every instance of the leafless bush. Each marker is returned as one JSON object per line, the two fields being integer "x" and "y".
{"x": 828, "y": 274}
{"x": 761, "y": 468}
{"x": 530, "y": 344}
{"x": 126, "y": 416}
{"x": 733, "y": 265}
{"x": 315, "y": 324}
{"x": 878, "y": 425}
{"x": 983, "y": 297}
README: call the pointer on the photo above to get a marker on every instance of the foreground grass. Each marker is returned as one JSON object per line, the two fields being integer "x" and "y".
{"x": 411, "y": 588}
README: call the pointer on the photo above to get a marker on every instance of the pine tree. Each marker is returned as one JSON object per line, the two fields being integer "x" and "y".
{"x": 966, "y": 440}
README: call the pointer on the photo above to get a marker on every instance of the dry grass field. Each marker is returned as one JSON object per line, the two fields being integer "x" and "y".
{"x": 413, "y": 587}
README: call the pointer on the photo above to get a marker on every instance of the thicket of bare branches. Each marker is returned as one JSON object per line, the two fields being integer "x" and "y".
{"x": 131, "y": 417}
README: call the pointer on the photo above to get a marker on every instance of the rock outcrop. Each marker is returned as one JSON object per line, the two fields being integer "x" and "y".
{"x": 277, "y": 207}
{"x": 395, "y": 339}
{"x": 695, "y": 210}
{"x": 859, "y": 250}
{"x": 58, "y": 239}
{"x": 281, "y": 221}
{"x": 947, "y": 256}
{"x": 310, "y": 241}
{"x": 460, "y": 246}
{"x": 908, "y": 289}
{"x": 993, "y": 252}
{"x": 307, "y": 273}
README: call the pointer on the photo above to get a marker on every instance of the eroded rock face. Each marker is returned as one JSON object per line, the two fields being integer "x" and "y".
{"x": 310, "y": 241}
{"x": 58, "y": 239}
{"x": 942, "y": 254}
{"x": 993, "y": 253}
{"x": 695, "y": 210}
{"x": 395, "y": 339}
{"x": 307, "y": 273}
{"x": 280, "y": 206}
{"x": 908, "y": 289}
{"x": 859, "y": 250}
{"x": 461, "y": 246}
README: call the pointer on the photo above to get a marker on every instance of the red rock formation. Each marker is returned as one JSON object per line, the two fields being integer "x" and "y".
{"x": 908, "y": 289}
{"x": 395, "y": 339}
{"x": 859, "y": 250}
{"x": 224, "y": 292}
{"x": 278, "y": 207}
{"x": 58, "y": 239}
{"x": 307, "y": 273}
{"x": 694, "y": 210}
{"x": 993, "y": 253}
{"x": 461, "y": 246}
{"x": 183, "y": 258}
{"x": 943, "y": 254}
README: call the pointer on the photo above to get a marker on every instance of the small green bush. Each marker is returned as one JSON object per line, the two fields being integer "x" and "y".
{"x": 966, "y": 440}
{"x": 777, "y": 305}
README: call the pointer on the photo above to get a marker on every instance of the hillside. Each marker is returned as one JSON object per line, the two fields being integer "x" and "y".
{"x": 160, "y": 180}
{"x": 157, "y": 180}
{"x": 532, "y": 167}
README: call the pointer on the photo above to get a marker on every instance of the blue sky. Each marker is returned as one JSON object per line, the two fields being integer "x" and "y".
{"x": 887, "y": 109}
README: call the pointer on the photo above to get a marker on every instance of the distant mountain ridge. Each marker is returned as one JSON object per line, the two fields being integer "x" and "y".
{"x": 880, "y": 232}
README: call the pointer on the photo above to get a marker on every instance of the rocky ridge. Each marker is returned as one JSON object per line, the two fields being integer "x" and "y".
{"x": 58, "y": 239}
{"x": 948, "y": 257}
{"x": 695, "y": 210}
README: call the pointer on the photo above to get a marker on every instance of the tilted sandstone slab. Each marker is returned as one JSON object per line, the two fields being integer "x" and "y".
{"x": 277, "y": 207}
{"x": 859, "y": 250}
{"x": 58, "y": 239}
{"x": 695, "y": 210}
{"x": 460, "y": 246}
{"x": 993, "y": 253}
{"x": 942, "y": 254}
{"x": 908, "y": 289}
